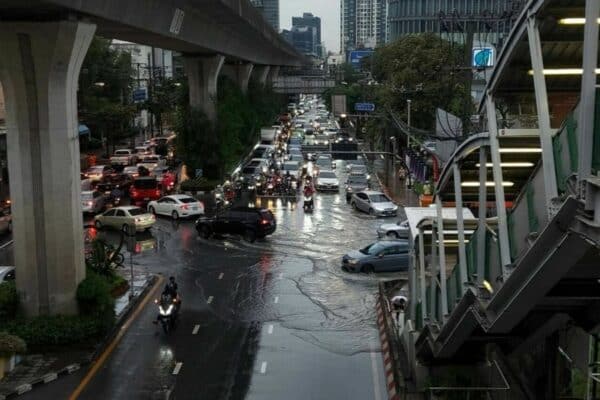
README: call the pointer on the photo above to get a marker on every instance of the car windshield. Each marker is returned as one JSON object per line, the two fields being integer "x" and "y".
{"x": 290, "y": 166}
{"x": 373, "y": 249}
{"x": 150, "y": 159}
{"x": 135, "y": 211}
{"x": 129, "y": 170}
{"x": 99, "y": 168}
{"x": 187, "y": 200}
{"x": 145, "y": 184}
{"x": 248, "y": 170}
{"x": 122, "y": 152}
{"x": 379, "y": 198}
{"x": 327, "y": 175}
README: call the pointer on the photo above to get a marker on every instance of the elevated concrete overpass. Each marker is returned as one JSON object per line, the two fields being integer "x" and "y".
{"x": 43, "y": 44}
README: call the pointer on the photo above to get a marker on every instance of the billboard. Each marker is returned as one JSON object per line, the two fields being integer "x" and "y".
{"x": 483, "y": 57}
{"x": 357, "y": 55}
{"x": 338, "y": 102}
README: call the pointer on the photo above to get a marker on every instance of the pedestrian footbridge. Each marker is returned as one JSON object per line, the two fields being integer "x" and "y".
{"x": 519, "y": 284}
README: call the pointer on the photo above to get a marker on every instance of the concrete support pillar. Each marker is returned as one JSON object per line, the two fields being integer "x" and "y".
{"x": 39, "y": 70}
{"x": 481, "y": 226}
{"x": 423, "y": 282}
{"x": 433, "y": 270}
{"x": 203, "y": 74}
{"x": 442, "y": 258}
{"x": 587, "y": 114}
{"x": 498, "y": 188}
{"x": 460, "y": 227}
{"x": 273, "y": 74}
{"x": 239, "y": 73}
{"x": 543, "y": 111}
{"x": 260, "y": 73}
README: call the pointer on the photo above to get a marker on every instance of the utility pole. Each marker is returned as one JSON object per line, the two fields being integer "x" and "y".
{"x": 408, "y": 103}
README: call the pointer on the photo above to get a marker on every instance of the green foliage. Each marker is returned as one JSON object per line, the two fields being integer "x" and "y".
{"x": 217, "y": 148}
{"x": 10, "y": 344}
{"x": 94, "y": 296}
{"x": 105, "y": 86}
{"x": 9, "y": 300}
{"x": 56, "y": 330}
{"x": 199, "y": 184}
{"x": 420, "y": 68}
{"x": 165, "y": 94}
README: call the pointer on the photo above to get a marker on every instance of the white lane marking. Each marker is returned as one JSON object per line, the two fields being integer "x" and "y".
{"x": 196, "y": 329}
{"x": 177, "y": 368}
{"x": 281, "y": 275}
{"x": 375, "y": 374}
{"x": 6, "y": 244}
{"x": 210, "y": 299}
{"x": 276, "y": 299}
{"x": 263, "y": 367}
{"x": 270, "y": 329}
{"x": 220, "y": 276}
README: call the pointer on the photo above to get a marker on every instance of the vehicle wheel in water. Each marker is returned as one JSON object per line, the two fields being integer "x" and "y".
{"x": 353, "y": 204}
{"x": 152, "y": 210}
{"x": 125, "y": 228}
{"x": 175, "y": 215}
{"x": 392, "y": 235}
{"x": 371, "y": 211}
{"x": 368, "y": 269}
{"x": 98, "y": 224}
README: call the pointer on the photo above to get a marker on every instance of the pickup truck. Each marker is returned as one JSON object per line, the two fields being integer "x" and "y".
{"x": 123, "y": 157}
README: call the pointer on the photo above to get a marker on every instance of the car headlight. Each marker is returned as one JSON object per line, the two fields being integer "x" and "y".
{"x": 349, "y": 188}
{"x": 352, "y": 261}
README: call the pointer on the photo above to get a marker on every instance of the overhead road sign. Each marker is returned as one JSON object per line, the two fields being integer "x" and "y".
{"x": 364, "y": 107}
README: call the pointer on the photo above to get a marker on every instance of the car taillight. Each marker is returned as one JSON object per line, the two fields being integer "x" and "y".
{"x": 184, "y": 206}
{"x": 264, "y": 221}
{"x": 90, "y": 203}
{"x": 138, "y": 220}
{"x": 201, "y": 204}
{"x": 157, "y": 192}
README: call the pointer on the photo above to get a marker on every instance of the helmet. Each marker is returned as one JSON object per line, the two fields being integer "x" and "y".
{"x": 172, "y": 279}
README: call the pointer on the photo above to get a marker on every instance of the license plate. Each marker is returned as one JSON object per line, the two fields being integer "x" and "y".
{"x": 194, "y": 208}
{"x": 146, "y": 198}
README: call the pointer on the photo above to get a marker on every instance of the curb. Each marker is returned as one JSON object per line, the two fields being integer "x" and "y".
{"x": 388, "y": 364}
{"x": 72, "y": 368}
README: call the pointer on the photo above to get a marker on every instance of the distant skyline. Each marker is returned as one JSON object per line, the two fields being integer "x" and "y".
{"x": 328, "y": 12}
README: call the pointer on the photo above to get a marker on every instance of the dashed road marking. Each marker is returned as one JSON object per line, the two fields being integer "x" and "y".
{"x": 210, "y": 299}
{"x": 177, "y": 368}
{"x": 276, "y": 299}
{"x": 221, "y": 276}
{"x": 270, "y": 329}
{"x": 281, "y": 275}
{"x": 263, "y": 367}
{"x": 196, "y": 329}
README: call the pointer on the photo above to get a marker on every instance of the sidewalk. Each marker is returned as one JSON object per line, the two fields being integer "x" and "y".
{"x": 38, "y": 369}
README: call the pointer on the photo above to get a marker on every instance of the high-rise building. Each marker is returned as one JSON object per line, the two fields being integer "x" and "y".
{"x": 363, "y": 24}
{"x": 492, "y": 18}
{"x": 270, "y": 10}
{"x": 306, "y": 34}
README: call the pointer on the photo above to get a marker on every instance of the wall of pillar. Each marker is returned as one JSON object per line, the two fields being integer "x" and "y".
{"x": 39, "y": 70}
{"x": 203, "y": 75}
{"x": 239, "y": 73}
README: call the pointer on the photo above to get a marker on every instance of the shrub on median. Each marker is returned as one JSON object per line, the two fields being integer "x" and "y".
{"x": 10, "y": 344}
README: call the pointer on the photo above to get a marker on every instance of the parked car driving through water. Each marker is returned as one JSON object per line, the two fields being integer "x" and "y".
{"x": 383, "y": 256}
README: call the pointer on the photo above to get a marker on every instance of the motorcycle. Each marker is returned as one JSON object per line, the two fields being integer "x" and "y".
{"x": 168, "y": 311}
{"x": 309, "y": 202}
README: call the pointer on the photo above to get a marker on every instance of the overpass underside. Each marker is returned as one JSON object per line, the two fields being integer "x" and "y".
{"x": 519, "y": 286}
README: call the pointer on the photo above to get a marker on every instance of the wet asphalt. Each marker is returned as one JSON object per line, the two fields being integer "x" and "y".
{"x": 275, "y": 319}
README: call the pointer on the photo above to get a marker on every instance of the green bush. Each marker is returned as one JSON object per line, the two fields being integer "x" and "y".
{"x": 10, "y": 344}
{"x": 199, "y": 184}
{"x": 94, "y": 296}
{"x": 55, "y": 330}
{"x": 9, "y": 300}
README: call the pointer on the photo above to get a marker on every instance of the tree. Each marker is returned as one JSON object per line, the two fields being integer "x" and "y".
{"x": 105, "y": 85}
{"x": 162, "y": 99}
{"x": 422, "y": 68}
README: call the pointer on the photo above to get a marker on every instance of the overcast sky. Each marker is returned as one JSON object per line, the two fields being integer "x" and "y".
{"x": 327, "y": 10}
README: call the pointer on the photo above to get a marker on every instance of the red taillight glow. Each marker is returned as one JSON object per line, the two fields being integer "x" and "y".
{"x": 264, "y": 221}
{"x": 157, "y": 192}
{"x": 184, "y": 206}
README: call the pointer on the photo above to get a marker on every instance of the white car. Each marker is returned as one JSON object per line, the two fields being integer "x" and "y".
{"x": 397, "y": 230}
{"x": 374, "y": 203}
{"x": 293, "y": 167}
{"x": 128, "y": 219}
{"x": 327, "y": 181}
{"x": 7, "y": 274}
{"x": 152, "y": 161}
{"x": 92, "y": 201}
{"x": 176, "y": 206}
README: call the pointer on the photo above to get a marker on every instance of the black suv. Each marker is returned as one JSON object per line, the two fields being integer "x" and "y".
{"x": 252, "y": 223}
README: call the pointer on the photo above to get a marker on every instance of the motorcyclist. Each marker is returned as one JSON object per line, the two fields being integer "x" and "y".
{"x": 169, "y": 293}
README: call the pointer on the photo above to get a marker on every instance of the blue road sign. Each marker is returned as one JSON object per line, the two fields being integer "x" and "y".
{"x": 139, "y": 95}
{"x": 357, "y": 55}
{"x": 364, "y": 107}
